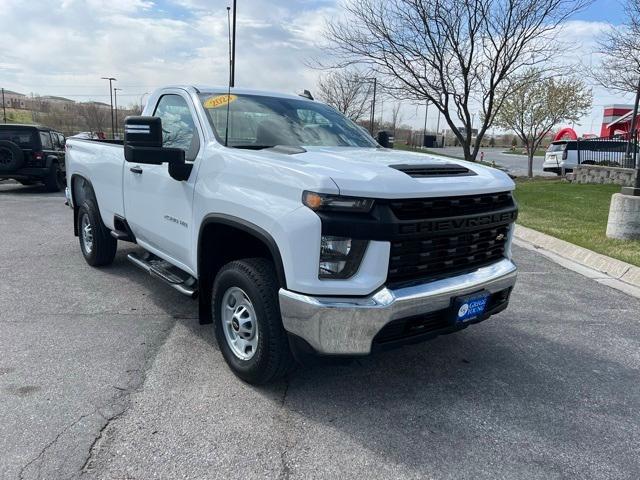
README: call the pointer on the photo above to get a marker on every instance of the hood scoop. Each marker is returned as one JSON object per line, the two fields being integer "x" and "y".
{"x": 434, "y": 170}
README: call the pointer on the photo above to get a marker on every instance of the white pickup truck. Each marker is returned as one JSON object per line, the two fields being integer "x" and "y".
{"x": 297, "y": 232}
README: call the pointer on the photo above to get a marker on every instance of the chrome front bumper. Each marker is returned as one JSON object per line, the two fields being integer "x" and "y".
{"x": 347, "y": 326}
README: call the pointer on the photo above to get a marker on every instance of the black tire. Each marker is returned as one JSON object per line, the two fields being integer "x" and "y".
{"x": 11, "y": 156}
{"x": 55, "y": 180}
{"x": 102, "y": 248}
{"x": 272, "y": 358}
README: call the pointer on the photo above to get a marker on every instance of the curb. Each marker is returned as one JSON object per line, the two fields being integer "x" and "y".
{"x": 606, "y": 270}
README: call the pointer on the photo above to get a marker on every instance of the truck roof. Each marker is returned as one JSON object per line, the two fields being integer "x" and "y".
{"x": 240, "y": 91}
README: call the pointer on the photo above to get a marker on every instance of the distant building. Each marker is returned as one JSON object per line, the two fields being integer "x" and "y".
{"x": 59, "y": 102}
{"x": 99, "y": 104}
{"x": 14, "y": 100}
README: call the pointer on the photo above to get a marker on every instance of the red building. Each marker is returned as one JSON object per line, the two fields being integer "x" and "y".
{"x": 616, "y": 120}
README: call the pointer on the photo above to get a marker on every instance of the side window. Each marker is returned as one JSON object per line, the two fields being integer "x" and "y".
{"x": 59, "y": 141}
{"x": 45, "y": 139}
{"x": 178, "y": 127}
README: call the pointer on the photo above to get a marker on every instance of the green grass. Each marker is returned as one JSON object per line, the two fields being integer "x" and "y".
{"x": 18, "y": 116}
{"x": 573, "y": 212}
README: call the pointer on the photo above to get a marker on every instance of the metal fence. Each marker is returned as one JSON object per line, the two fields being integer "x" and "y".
{"x": 610, "y": 152}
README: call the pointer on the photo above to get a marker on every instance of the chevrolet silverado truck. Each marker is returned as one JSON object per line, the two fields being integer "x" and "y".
{"x": 296, "y": 231}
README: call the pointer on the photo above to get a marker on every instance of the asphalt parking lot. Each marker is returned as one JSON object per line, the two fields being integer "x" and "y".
{"x": 107, "y": 374}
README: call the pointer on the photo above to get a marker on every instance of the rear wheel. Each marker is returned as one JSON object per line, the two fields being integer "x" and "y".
{"x": 55, "y": 180}
{"x": 247, "y": 321}
{"x": 96, "y": 243}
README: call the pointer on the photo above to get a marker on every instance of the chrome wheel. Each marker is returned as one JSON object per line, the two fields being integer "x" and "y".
{"x": 239, "y": 323}
{"x": 87, "y": 234}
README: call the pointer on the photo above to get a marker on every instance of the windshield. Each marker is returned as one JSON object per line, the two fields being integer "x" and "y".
{"x": 261, "y": 122}
{"x": 557, "y": 147}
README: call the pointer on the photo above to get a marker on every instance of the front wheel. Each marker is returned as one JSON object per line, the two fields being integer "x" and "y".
{"x": 247, "y": 321}
{"x": 96, "y": 243}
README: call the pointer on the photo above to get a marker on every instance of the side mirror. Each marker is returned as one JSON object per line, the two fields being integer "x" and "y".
{"x": 143, "y": 144}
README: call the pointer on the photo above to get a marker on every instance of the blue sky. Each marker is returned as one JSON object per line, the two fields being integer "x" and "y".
{"x": 602, "y": 11}
{"x": 63, "y": 47}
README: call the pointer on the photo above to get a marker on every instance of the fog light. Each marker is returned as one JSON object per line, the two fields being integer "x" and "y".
{"x": 340, "y": 257}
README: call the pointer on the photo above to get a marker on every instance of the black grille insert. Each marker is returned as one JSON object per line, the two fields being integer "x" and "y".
{"x": 437, "y": 170}
{"x": 439, "y": 237}
{"x": 427, "y": 208}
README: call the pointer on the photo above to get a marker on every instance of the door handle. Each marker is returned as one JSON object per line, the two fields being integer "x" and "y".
{"x": 136, "y": 169}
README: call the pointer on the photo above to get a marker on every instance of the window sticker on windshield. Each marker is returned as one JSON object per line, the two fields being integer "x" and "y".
{"x": 219, "y": 101}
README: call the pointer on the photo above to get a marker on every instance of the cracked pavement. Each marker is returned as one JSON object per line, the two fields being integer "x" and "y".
{"x": 107, "y": 374}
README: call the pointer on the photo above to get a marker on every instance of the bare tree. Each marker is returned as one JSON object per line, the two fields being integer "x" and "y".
{"x": 346, "y": 91}
{"x": 396, "y": 117}
{"x": 94, "y": 117}
{"x": 457, "y": 54}
{"x": 619, "y": 51}
{"x": 537, "y": 104}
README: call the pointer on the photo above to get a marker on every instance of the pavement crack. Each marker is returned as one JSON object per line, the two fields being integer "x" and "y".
{"x": 44, "y": 449}
{"x": 122, "y": 400}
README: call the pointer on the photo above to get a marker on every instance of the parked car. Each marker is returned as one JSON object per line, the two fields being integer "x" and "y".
{"x": 33, "y": 154}
{"x": 564, "y": 155}
{"x": 296, "y": 231}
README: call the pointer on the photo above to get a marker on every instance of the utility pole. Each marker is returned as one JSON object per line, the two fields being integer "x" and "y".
{"x": 233, "y": 48}
{"x": 115, "y": 101}
{"x": 438, "y": 129}
{"x": 111, "y": 79}
{"x": 4, "y": 108}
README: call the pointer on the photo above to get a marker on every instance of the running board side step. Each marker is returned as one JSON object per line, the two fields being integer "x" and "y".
{"x": 169, "y": 274}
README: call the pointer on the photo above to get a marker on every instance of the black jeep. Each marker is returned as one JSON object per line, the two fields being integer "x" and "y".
{"x": 32, "y": 154}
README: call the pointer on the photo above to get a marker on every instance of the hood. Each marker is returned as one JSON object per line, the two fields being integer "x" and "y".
{"x": 378, "y": 172}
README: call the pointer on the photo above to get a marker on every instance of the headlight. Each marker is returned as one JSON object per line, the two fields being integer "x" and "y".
{"x": 336, "y": 203}
{"x": 340, "y": 257}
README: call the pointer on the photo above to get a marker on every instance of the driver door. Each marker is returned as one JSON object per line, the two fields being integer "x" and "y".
{"x": 158, "y": 208}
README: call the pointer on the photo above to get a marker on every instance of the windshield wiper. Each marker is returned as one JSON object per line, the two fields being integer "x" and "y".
{"x": 252, "y": 146}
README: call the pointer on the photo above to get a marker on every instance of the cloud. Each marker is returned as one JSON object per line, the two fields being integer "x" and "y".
{"x": 64, "y": 49}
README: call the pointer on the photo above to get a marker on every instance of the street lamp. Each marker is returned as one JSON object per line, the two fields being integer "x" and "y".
{"x": 115, "y": 101}
{"x": 111, "y": 80}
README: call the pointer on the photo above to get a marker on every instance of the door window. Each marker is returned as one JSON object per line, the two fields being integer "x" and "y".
{"x": 45, "y": 138}
{"x": 178, "y": 127}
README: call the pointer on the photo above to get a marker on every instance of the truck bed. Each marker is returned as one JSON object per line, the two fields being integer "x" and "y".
{"x": 102, "y": 159}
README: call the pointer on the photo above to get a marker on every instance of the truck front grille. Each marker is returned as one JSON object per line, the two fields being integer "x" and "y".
{"x": 473, "y": 234}
{"x": 423, "y": 208}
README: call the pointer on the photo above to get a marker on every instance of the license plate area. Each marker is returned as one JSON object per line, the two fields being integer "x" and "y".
{"x": 468, "y": 308}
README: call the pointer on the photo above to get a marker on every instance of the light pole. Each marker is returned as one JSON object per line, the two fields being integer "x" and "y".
{"x": 372, "y": 118}
{"x": 115, "y": 101}
{"x": 111, "y": 80}
{"x": 426, "y": 115}
{"x": 4, "y": 108}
